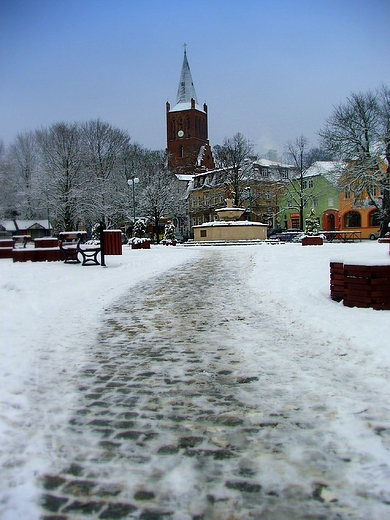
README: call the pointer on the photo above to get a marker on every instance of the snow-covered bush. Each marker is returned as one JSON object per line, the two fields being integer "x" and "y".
{"x": 95, "y": 231}
{"x": 139, "y": 229}
{"x": 312, "y": 224}
{"x": 169, "y": 232}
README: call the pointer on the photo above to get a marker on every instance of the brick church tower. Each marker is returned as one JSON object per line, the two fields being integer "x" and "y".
{"x": 187, "y": 131}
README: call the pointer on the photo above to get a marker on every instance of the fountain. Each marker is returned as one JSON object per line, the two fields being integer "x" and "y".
{"x": 228, "y": 227}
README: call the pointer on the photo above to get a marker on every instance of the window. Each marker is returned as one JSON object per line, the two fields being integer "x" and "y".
{"x": 199, "y": 221}
{"x": 315, "y": 202}
{"x": 352, "y": 219}
{"x": 304, "y": 185}
{"x": 347, "y": 193}
{"x": 267, "y": 195}
{"x": 284, "y": 174}
{"x": 311, "y": 183}
{"x": 295, "y": 223}
{"x": 264, "y": 172}
{"x": 373, "y": 219}
{"x": 181, "y": 152}
{"x": 203, "y": 232}
{"x": 330, "y": 202}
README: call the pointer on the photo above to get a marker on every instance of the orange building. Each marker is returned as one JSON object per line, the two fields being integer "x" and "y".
{"x": 358, "y": 215}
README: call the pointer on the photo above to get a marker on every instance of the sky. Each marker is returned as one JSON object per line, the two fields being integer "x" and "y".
{"x": 270, "y": 69}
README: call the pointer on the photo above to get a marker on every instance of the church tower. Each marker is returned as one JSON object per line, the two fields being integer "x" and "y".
{"x": 187, "y": 131}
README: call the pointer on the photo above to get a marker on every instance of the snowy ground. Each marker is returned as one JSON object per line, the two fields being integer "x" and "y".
{"x": 317, "y": 363}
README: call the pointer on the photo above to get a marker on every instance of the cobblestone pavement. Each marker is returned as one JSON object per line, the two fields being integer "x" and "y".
{"x": 169, "y": 424}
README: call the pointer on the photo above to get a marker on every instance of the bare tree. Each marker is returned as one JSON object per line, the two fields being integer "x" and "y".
{"x": 23, "y": 162}
{"x": 8, "y": 195}
{"x": 358, "y": 134}
{"x": 61, "y": 181}
{"x": 159, "y": 193}
{"x": 299, "y": 156}
{"x": 384, "y": 136}
{"x": 235, "y": 157}
{"x": 103, "y": 149}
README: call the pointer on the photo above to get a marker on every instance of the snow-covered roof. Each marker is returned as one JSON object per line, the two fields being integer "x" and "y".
{"x": 331, "y": 170}
{"x": 185, "y": 106}
{"x": 8, "y": 225}
{"x": 224, "y": 223}
{"x": 266, "y": 162}
{"x": 19, "y": 225}
{"x": 184, "y": 177}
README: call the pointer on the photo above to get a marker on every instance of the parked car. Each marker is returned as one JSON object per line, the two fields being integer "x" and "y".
{"x": 375, "y": 235}
{"x": 179, "y": 238}
{"x": 289, "y": 235}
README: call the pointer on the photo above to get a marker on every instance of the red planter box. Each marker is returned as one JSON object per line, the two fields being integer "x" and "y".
{"x": 312, "y": 241}
{"x": 362, "y": 285}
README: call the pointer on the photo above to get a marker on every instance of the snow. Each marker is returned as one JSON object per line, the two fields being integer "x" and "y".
{"x": 235, "y": 223}
{"x": 185, "y": 105}
{"x": 51, "y": 310}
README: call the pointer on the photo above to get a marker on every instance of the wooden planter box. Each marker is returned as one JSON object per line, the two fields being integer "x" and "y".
{"x": 312, "y": 241}
{"x": 360, "y": 285}
{"x": 141, "y": 245}
{"x": 45, "y": 242}
{"x": 51, "y": 254}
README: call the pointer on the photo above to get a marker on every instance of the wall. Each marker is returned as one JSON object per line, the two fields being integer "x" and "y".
{"x": 240, "y": 230}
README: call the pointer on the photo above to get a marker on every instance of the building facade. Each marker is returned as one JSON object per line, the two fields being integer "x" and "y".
{"x": 319, "y": 191}
{"x": 260, "y": 192}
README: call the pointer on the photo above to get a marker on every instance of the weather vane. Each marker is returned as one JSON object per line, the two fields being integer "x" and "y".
{"x": 185, "y": 47}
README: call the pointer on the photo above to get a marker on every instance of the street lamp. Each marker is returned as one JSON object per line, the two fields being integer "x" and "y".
{"x": 249, "y": 190}
{"x": 132, "y": 181}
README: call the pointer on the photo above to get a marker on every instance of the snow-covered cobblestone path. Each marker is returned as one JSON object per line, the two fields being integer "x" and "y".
{"x": 195, "y": 406}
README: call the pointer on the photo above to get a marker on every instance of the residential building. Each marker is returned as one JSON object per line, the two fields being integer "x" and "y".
{"x": 319, "y": 190}
{"x": 260, "y": 191}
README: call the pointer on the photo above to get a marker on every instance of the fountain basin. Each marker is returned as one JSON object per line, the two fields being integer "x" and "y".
{"x": 230, "y": 231}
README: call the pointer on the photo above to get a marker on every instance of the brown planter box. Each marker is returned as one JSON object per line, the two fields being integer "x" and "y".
{"x": 48, "y": 255}
{"x": 312, "y": 241}
{"x": 363, "y": 285}
{"x": 46, "y": 242}
{"x": 141, "y": 245}
{"x": 24, "y": 255}
{"x": 112, "y": 242}
{"x": 5, "y": 252}
{"x": 7, "y": 242}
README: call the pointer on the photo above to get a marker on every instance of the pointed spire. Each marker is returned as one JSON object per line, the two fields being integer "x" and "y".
{"x": 186, "y": 89}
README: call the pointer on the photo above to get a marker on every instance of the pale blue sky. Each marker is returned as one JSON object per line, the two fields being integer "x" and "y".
{"x": 271, "y": 69}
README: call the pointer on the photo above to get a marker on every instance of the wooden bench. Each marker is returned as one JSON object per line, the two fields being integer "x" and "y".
{"x": 69, "y": 243}
{"x": 89, "y": 253}
{"x": 21, "y": 240}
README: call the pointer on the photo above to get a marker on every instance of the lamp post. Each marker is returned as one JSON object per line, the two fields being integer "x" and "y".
{"x": 132, "y": 181}
{"x": 249, "y": 190}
